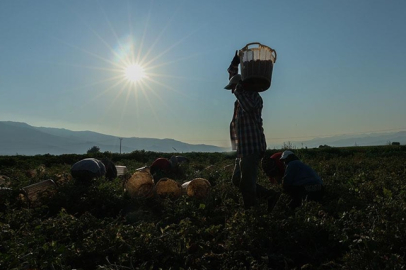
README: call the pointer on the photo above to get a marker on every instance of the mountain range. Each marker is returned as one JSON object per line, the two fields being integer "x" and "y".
{"x": 24, "y": 139}
{"x": 365, "y": 139}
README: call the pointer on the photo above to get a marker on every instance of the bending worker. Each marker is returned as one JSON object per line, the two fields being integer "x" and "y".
{"x": 274, "y": 168}
{"x": 300, "y": 180}
{"x": 87, "y": 169}
{"x": 163, "y": 167}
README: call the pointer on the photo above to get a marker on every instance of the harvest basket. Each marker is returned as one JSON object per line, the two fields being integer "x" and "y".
{"x": 198, "y": 188}
{"x": 257, "y": 66}
{"x": 167, "y": 187}
{"x": 35, "y": 191}
{"x": 140, "y": 184}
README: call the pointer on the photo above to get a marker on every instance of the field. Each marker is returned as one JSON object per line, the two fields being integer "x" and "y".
{"x": 360, "y": 224}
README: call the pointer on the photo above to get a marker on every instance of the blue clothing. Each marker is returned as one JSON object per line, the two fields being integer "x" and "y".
{"x": 91, "y": 165}
{"x": 299, "y": 174}
{"x": 87, "y": 169}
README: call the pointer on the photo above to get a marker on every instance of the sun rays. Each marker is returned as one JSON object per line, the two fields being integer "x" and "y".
{"x": 132, "y": 74}
{"x": 131, "y": 71}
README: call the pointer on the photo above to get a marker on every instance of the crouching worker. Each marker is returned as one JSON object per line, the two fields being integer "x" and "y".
{"x": 300, "y": 181}
{"x": 87, "y": 169}
{"x": 163, "y": 167}
{"x": 274, "y": 168}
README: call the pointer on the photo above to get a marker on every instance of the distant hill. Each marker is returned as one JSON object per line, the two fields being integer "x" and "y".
{"x": 23, "y": 139}
{"x": 370, "y": 139}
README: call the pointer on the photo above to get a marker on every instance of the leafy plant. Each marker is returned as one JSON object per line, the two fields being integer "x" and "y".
{"x": 360, "y": 224}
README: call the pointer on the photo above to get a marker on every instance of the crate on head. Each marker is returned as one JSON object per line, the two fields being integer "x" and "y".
{"x": 257, "y": 66}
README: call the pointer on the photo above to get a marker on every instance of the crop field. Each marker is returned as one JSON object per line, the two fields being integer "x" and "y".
{"x": 360, "y": 224}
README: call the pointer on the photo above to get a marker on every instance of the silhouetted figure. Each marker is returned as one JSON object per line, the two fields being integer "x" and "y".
{"x": 274, "y": 168}
{"x": 247, "y": 136}
{"x": 88, "y": 169}
{"x": 300, "y": 181}
{"x": 163, "y": 167}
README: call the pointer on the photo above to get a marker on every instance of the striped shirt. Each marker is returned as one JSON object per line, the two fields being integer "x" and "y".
{"x": 246, "y": 131}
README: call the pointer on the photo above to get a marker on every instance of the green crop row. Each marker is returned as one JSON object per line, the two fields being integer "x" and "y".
{"x": 360, "y": 224}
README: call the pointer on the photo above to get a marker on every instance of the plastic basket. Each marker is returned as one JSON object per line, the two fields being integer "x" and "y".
{"x": 257, "y": 66}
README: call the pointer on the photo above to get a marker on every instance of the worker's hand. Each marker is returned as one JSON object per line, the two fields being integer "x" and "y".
{"x": 238, "y": 87}
{"x": 234, "y": 88}
{"x": 236, "y": 59}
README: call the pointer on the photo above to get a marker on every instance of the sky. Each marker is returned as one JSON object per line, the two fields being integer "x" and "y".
{"x": 340, "y": 68}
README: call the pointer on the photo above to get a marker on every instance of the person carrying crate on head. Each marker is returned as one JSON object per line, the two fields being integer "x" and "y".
{"x": 247, "y": 137}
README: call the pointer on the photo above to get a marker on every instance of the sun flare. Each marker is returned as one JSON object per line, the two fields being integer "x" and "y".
{"x": 134, "y": 73}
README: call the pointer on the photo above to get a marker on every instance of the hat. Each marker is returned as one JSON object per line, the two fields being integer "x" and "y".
{"x": 161, "y": 164}
{"x": 286, "y": 153}
{"x": 233, "y": 81}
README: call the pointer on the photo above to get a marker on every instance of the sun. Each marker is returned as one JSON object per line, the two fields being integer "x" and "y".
{"x": 134, "y": 73}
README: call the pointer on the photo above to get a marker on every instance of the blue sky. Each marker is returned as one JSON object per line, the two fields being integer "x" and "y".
{"x": 341, "y": 66}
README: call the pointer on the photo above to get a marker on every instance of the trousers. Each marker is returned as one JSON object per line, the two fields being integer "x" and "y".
{"x": 245, "y": 179}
